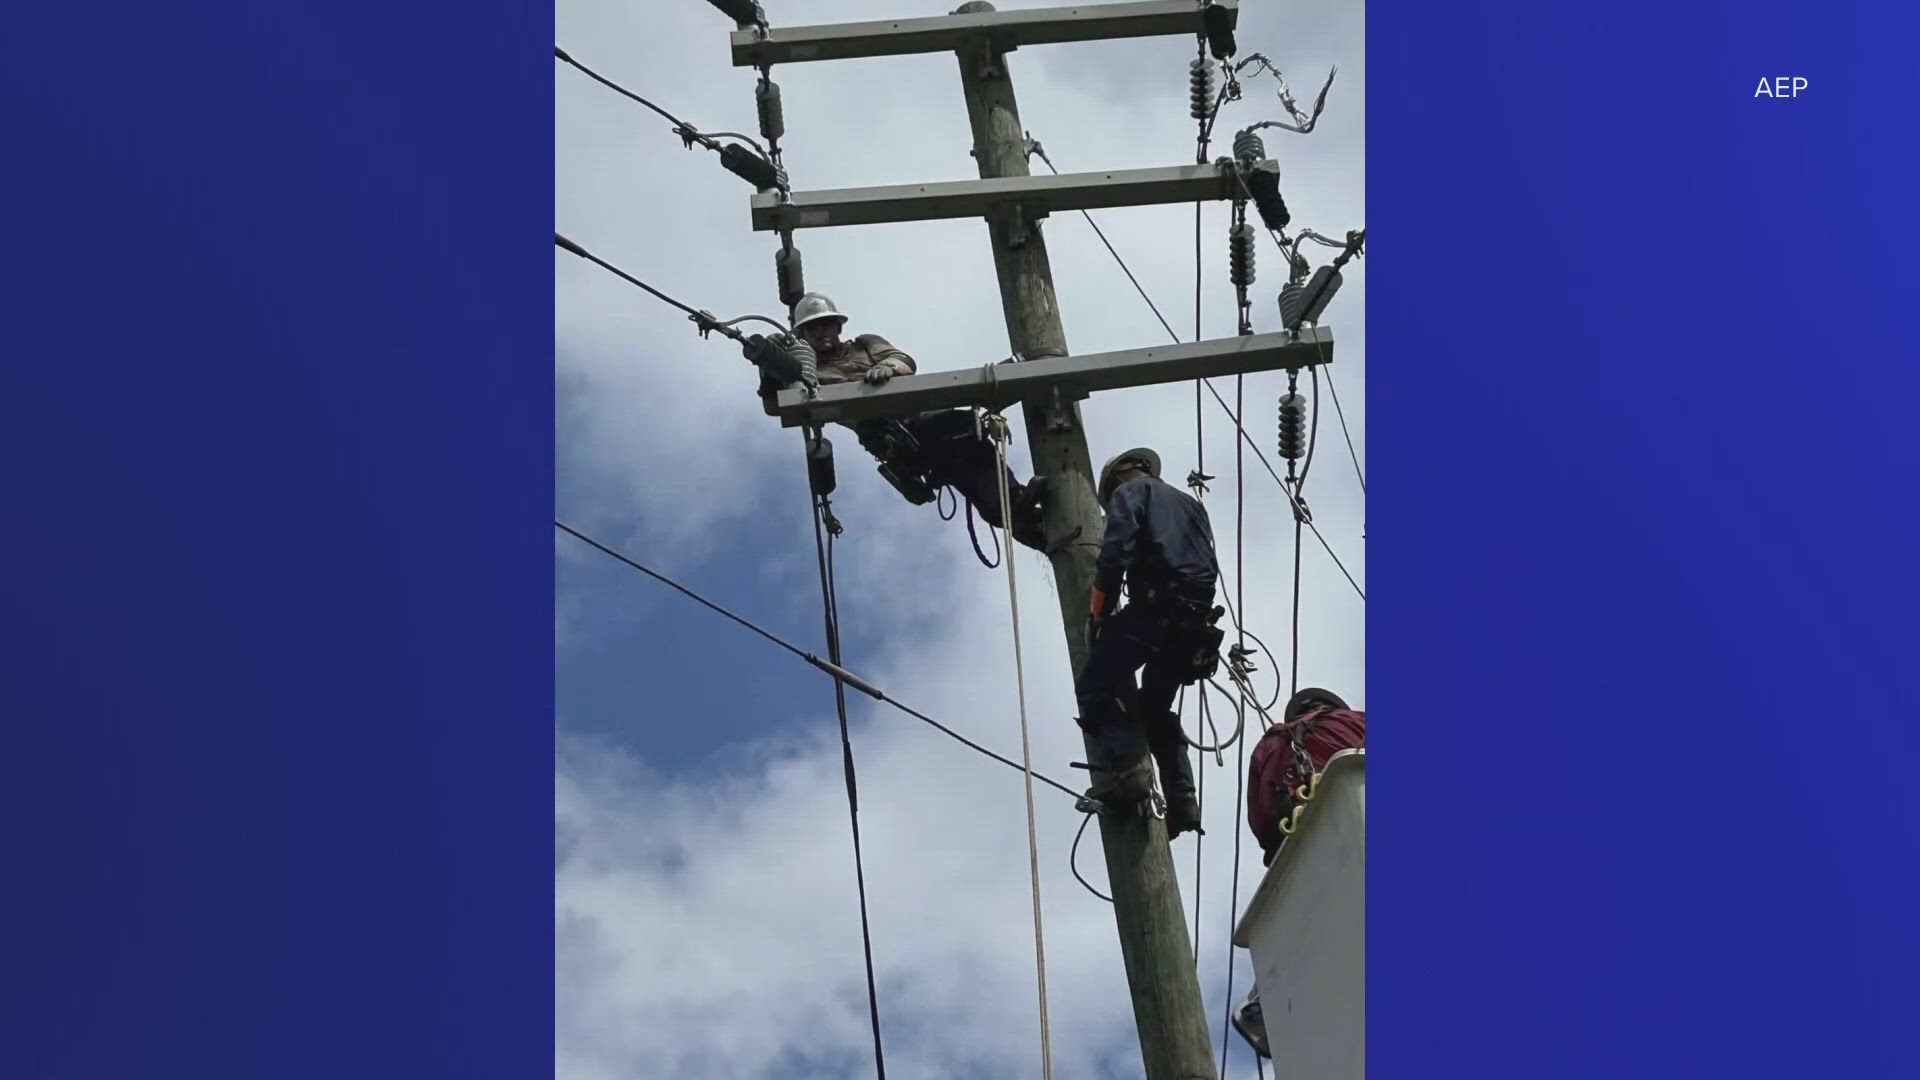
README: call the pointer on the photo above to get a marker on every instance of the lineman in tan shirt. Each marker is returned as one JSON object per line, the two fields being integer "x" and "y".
{"x": 918, "y": 454}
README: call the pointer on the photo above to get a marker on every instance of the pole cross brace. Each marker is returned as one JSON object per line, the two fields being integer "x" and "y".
{"x": 945, "y": 33}
{"x": 1071, "y": 377}
{"x": 1037, "y": 196}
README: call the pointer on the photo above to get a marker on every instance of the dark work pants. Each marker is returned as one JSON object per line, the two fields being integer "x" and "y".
{"x": 953, "y": 454}
{"x": 1119, "y": 717}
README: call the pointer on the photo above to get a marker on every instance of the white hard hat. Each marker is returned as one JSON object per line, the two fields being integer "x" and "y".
{"x": 813, "y": 307}
{"x": 1146, "y": 458}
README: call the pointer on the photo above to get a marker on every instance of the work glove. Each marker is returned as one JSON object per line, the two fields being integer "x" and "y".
{"x": 878, "y": 374}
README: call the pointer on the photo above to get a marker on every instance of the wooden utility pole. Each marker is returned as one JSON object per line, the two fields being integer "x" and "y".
{"x": 1168, "y": 1009}
{"x": 1167, "y": 1006}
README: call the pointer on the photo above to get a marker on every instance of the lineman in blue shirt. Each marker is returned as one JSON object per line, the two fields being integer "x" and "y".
{"x": 1159, "y": 542}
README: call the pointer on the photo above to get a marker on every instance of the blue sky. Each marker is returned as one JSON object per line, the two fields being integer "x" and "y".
{"x": 704, "y": 901}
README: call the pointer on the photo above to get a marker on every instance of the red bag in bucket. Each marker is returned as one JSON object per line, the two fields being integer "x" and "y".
{"x": 1325, "y": 726}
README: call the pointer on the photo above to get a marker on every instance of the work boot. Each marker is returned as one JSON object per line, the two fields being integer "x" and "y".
{"x": 1252, "y": 1025}
{"x": 1183, "y": 814}
{"x": 1176, "y": 776}
{"x": 1027, "y": 524}
{"x": 1124, "y": 787}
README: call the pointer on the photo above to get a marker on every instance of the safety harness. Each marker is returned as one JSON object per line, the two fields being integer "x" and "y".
{"x": 1188, "y": 624}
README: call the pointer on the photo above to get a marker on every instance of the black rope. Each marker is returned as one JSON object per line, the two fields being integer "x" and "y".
{"x": 831, "y": 669}
{"x": 977, "y": 553}
{"x": 823, "y": 550}
{"x": 1265, "y": 648}
{"x": 1073, "y": 863}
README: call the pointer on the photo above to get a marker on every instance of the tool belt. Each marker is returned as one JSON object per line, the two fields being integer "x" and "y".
{"x": 1187, "y": 618}
{"x": 902, "y": 460}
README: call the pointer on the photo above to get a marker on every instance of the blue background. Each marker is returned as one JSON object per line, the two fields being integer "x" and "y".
{"x": 278, "y": 416}
{"x": 278, "y": 434}
{"x": 1641, "y": 559}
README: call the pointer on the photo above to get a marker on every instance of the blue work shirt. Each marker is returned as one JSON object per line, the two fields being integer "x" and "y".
{"x": 1155, "y": 533}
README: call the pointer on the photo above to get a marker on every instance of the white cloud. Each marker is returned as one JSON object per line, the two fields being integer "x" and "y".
{"x": 706, "y": 925}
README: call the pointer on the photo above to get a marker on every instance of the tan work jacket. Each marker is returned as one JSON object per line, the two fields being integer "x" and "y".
{"x": 856, "y": 357}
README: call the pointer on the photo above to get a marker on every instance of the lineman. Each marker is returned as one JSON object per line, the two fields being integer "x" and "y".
{"x": 1160, "y": 542}
{"x": 1321, "y": 725}
{"x": 920, "y": 454}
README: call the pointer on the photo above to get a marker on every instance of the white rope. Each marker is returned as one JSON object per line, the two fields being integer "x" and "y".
{"x": 997, "y": 427}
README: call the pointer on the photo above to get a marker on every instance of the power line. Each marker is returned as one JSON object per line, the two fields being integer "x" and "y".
{"x": 832, "y": 669}
{"x": 681, "y": 128}
{"x": 1240, "y": 759}
{"x": 704, "y": 320}
{"x": 1239, "y": 427}
{"x": 831, "y": 609}
{"x": 1034, "y": 147}
{"x": 1341, "y": 413}
{"x": 1299, "y": 507}
{"x": 560, "y": 241}
{"x": 562, "y": 54}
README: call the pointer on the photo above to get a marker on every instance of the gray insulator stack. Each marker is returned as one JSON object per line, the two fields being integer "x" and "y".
{"x": 1293, "y": 304}
{"x": 788, "y": 270}
{"x": 1240, "y": 247}
{"x": 1293, "y": 426}
{"x": 1200, "y": 89}
{"x": 802, "y": 354}
{"x": 766, "y": 98}
{"x": 1248, "y": 150}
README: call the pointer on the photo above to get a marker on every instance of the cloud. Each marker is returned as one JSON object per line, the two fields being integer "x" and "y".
{"x": 705, "y": 917}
